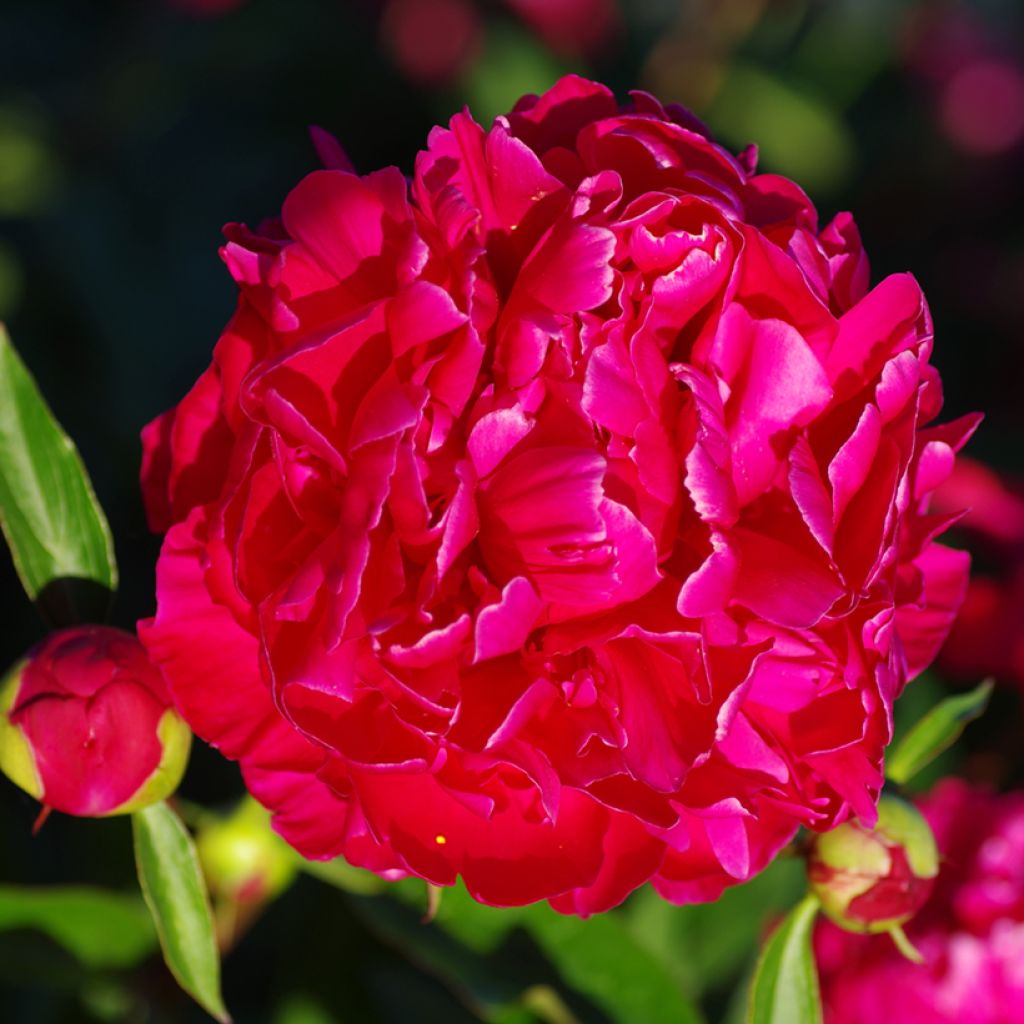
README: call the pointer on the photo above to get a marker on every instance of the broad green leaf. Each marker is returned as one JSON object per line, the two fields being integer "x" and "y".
{"x": 102, "y": 929}
{"x": 175, "y": 892}
{"x": 488, "y": 986}
{"x": 939, "y": 729}
{"x": 785, "y": 987}
{"x": 598, "y": 958}
{"x": 705, "y": 946}
{"x": 53, "y": 523}
{"x": 477, "y": 926}
{"x": 798, "y": 134}
{"x": 478, "y": 982}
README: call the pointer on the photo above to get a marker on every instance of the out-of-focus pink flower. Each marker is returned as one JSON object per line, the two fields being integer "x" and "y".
{"x": 87, "y": 726}
{"x": 977, "y": 77}
{"x": 560, "y": 521}
{"x": 431, "y": 40}
{"x": 987, "y": 638}
{"x": 939, "y": 39}
{"x": 577, "y": 26}
{"x": 992, "y": 505}
{"x": 970, "y": 932}
{"x": 983, "y": 107}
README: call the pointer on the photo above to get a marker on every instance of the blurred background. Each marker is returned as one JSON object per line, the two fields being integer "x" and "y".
{"x": 131, "y": 131}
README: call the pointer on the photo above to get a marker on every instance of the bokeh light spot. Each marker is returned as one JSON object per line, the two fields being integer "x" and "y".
{"x": 431, "y": 40}
{"x": 983, "y": 107}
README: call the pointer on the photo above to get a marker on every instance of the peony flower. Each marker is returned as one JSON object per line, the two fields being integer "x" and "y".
{"x": 970, "y": 932}
{"x": 558, "y": 519}
{"x": 87, "y": 726}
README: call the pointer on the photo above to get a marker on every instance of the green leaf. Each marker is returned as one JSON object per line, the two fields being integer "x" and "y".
{"x": 175, "y": 892}
{"x": 343, "y": 875}
{"x": 705, "y": 946}
{"x": 49, "y": 514}
{"x": 598, "y": 958}
{"x": 102, "y": 929}
{"x": 489, "y": 986}
{"x": 939, "y": 729}
{"x": 798, "y": 133}
{"x": 785, "y": 988}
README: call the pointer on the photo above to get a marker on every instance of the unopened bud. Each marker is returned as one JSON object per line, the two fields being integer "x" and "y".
{"x": 875, "y": 879}
{"x": 242, "y": 858}
{"x": 87, "y": 726}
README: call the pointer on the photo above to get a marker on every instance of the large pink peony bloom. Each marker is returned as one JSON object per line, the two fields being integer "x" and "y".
{"x": 971, "y": 931}
{"x": 558, "y": 520}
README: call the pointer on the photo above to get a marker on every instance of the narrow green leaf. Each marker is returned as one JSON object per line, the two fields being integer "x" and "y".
{"x": 49, "y": 514}
{"x": 785, "y": 988}
{"x": 939, "y": 729}
{"x": 175, "y": 892}
{"x": 102, "y": 929}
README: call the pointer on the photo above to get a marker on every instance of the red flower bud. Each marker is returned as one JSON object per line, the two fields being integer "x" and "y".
{"x": 87, "y": 726}
{"x": 875, "y": 879}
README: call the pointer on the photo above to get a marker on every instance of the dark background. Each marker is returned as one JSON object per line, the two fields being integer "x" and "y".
{"x": 131, "y": 131}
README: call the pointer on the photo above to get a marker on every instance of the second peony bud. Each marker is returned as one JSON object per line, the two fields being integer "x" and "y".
{"x": 87, "y": 726}
{"x": 875, "y": 879}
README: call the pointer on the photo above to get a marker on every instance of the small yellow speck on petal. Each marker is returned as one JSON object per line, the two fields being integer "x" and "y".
{"x": 440, "y": 840}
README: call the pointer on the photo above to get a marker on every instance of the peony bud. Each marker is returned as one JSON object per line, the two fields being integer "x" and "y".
{"x": 87, "y": 726}
{"x": 875, "y": 879}
{"x": 242, "y": 858}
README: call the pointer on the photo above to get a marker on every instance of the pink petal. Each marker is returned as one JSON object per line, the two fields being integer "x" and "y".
{"x": 569, "y": 271}
{"x": 337, "y": 218}
{"x": 780, "y": 582}
{"x": 505, "y": 860}
{"x": 876, "y": 329}
{"x": 782, "y": 386}
{"x": 420, "y": 313}
{"x": 923, "y": 625}
{"x": 494, "y": 435}
{"x": 611, "y": 395}
{"x": 850, "y": 466}
{"x": 329, "y": 150}
{"x": 810, "y": 494}
{"x": 503, "y": 627}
